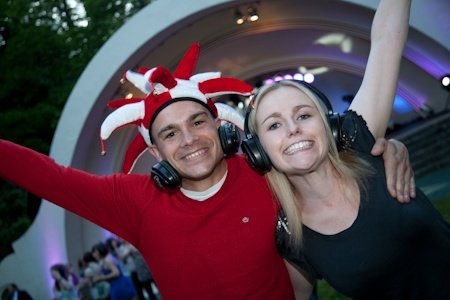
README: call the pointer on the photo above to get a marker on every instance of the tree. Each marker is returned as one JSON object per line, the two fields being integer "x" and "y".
{"x": 44, "y": 47}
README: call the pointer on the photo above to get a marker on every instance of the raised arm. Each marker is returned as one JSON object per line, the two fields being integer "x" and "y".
{"x": 375, "y": 97}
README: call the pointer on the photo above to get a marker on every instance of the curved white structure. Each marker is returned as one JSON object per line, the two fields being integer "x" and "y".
{"x": 159, "y": 34}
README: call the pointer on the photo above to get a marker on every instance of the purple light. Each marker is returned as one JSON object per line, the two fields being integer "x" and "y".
{"x": 288, "y": 77}
{"x": 298, "y": 76}
{"x": 278, "y": 78}
{"x": 268, "y": 81}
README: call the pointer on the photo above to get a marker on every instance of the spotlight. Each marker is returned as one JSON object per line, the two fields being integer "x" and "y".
{"x": 298, "y": 76}
{"x": 278, "y": 78}
{"x": 308, "y": 77}
{"x": 269, "y": 81}
{"x": 238, "y": 17}
{"x": 252, "y": 14}
{"x": 445, "y": 81}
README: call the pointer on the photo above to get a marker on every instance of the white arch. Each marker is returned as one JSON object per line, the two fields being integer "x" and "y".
{"x": 49, "y": 239}
{"x": 46, "y": 240}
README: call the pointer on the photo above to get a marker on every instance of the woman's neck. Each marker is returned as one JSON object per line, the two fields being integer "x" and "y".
{"x": 317, "y": 186}
{"x": 329, "y": 202}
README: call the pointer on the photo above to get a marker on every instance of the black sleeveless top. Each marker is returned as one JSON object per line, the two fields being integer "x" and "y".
{"x": 391, "y": 251}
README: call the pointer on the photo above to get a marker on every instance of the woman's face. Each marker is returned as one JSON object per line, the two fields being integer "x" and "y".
{"x": 96, "y": 254}
{"x": 291, "y": 130}
{"x": 55, "y": 274}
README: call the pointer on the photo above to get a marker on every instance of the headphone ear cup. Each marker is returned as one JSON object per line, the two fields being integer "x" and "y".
{"x": 165, "y": 176}
{"x": 229, "y": 138}
{"x": 256, "y": 155}
{"x": 334, "y": 120}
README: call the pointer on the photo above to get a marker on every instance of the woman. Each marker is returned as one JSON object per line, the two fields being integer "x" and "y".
{"x": 65, "y": 284}
{"x": 120, "y": 286}
{"x": 338, "y": 221}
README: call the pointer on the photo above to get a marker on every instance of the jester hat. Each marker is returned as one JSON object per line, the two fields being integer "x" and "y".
{"x": 162, "y": 89}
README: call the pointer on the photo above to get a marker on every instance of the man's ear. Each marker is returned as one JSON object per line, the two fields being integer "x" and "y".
{"x": 218, "y": 122}
{"x": 155, "y": 152}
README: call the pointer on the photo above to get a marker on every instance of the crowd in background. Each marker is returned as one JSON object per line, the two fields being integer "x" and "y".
{"x": 111, "y": 270}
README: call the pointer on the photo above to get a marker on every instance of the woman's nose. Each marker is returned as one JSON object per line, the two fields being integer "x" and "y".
{"x": 293, "y": 128}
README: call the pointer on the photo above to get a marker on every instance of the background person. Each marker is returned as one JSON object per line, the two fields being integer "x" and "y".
{"x": 12, "y": 292}
{"x": 64, "y": 287}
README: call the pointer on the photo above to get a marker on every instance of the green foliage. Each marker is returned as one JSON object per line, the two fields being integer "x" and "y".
{"x": 14, "y": 219}
{"x": 326, "y": 292}
{"x": 443, "y": 206}
{"x": 44, "y": 47}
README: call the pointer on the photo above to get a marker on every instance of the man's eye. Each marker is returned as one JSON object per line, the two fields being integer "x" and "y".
{"x": 198, "y": 122}
{"x": 169, "y": 135}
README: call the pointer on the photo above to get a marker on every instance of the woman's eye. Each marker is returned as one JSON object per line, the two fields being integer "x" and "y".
{"x": 303, "y": 116}
{"x": 274, "y": 126}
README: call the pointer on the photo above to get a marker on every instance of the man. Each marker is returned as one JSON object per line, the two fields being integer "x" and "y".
{"x": 208, "y": 233}
{"x": 12, "y": 292}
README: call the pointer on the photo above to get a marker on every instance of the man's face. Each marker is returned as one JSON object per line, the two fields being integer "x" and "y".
{"x": 185, "y": 134}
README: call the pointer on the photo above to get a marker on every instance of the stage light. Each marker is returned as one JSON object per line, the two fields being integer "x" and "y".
{"x": 238, "y": 17}
{"x": 308, "y": 77}
{"x": 253, "y": 14}
{"x": 298, "y": 76}
{"x": 278, "y": 78}
{"x": 268, "y": 81}
{"x": 445, "y": 81}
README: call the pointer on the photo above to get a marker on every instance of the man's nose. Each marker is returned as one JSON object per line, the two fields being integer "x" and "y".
{"x": 188, "y": 137}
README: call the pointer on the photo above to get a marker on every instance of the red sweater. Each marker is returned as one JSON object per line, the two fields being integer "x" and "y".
{"x": 221, "y": 248}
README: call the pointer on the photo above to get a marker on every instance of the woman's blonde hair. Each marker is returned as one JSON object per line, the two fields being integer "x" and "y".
{"x": 347, "y": 164}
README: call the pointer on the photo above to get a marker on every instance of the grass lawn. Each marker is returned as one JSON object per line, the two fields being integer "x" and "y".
{"x": 328, "y": 293}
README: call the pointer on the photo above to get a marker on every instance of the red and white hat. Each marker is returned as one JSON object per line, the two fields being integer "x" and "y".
{"x": 163, "y": 88}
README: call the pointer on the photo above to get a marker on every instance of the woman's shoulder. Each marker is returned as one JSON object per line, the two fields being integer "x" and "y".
{"x": 354, "y": 133}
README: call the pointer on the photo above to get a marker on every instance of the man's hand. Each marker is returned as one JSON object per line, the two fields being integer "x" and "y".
{"x": 399, "y": 174}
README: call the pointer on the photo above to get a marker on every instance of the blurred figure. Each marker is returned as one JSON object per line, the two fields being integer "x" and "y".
{"x": 89, "y": 268}
{"x": 120, "y": 286}
{"x": 65, "y": 283}
{"x": 144, "y": 276}
{"x": 133, "y": 265}
{"x": 12, "y": 292}
{"x": 122, "y": 251}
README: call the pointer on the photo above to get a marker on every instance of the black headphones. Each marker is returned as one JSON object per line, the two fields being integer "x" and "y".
{"x": 253, "y": 149}
{"x": 166, "y": 176}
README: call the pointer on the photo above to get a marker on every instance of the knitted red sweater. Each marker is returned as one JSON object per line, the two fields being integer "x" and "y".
{"x": 221, "y": 248}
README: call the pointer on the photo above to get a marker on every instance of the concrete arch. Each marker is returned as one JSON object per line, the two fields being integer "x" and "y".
{"x": 48, "y": 241}
{"x": 160, "y": 33}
